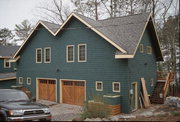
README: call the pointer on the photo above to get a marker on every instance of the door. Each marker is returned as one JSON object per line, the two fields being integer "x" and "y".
{"x": 73, "y": 92}
{"x": 47, "y": 89}
{"x": 134, "y": 96}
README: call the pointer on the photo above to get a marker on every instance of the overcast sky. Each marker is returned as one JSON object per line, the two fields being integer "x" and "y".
{"x": 15, "y": 11}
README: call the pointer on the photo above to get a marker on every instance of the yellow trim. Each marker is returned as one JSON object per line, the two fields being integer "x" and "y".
{"x": 113, "y": 86}
{"x": 49, "y": 55}
{"x": 136, "y": 95}
{"x": 36, "y": 55}
{"x": 7, "y": 60}
{"x": 28, "y": 78}
{"x": 37, "y": 86}
{"x": 123, "y": 56}
{"x": 20, "y": 79}
{"x": 8, "y": 78}
{"x": 101, "y": 86}
{"x": 85, "y": 53}
{"x": 149, "y": 50}
{"x": 67, "y": 53}
{"x": 141, "y": 48}
{"x": 60, "y": 80}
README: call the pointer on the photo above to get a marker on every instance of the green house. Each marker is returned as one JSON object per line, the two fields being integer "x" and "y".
{"x": 84, "y": 58}
{"x": 7, "y": 68}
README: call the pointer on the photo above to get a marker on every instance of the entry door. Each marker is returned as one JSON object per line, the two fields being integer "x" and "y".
{"x": 73, "y": 92}
{"x": 134, "y": 96}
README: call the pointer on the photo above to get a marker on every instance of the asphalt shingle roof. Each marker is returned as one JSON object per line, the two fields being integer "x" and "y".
{"x": 7, "y": 75}
{"x": 7, "y": 50}
{"x": 53, "y": 27}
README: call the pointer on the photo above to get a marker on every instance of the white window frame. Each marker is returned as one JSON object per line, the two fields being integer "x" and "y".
{"x": 119, "y": 86}
{"x": 152, "y": 82}
{"x": 28, "y": 83}
{"x": 20, "y": 80}
{"x": 150, "y": 49}
{"x": 37, "y": 55}
{"x": 101, "y": 86}
{"x": 67, "y": 53}
{"x": 85, "y": 53}
{"x": 141, "y": 48}
{"x": 45, "y": 55}
{"x": 7, "y": 60}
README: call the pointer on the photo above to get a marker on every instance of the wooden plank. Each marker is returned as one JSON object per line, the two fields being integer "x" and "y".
{"x": 140, "y": 102}
{"x": 145, "y": 94}
{"x": 142, "y": 98}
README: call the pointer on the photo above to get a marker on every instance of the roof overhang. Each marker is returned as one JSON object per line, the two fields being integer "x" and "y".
{"x": 4, "y": 79}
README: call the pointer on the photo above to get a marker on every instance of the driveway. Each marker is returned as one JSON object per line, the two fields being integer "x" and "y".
{"x": 62, "y": 112}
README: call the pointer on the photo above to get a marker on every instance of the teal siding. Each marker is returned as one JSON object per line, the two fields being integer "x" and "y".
{"x": 143, "y": 65}
{"x": 7, "y": 83}
{"x": 4, "y": 70}
{"x": 101, "y": 64}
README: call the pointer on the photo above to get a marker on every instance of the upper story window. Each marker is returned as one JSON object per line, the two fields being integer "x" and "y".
{"x": 47, "y": 55}
{"x": 149, "y": 50}
{"x": 7, "y": 63}
{"x": 116, "y": 86}
{"x": 141, "y": 48}
{"x": 38, "y": 55}
{"x": 82, "y": 53}
{"x": 99, "y": 86}
{"x": 21, "y": 80}
{"x": 70, "y": 53}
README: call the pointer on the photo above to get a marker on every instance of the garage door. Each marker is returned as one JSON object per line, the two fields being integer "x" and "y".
{"x": 47, "y": 90}
{"x": 73, "y": 92}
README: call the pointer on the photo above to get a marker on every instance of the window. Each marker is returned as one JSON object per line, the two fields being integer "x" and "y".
{"x": 149, "y": 50}
{"x": 70, "y": 53}
{"x": 141, "y": 48}
{"x": 38, "y": 55}
{"x": 152, "y": 82}
{"x": 99, "y": 86}
{"x": 21, "y": 80}
{"x": 28, "y": 81}
{"x": 7, "y": 63}
{"x": 82, "y": 53}
{"x": 47, "y": 55}
{"x": 116, "y": 86}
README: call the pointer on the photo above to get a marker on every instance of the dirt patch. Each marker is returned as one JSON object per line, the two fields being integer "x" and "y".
{"x": 154, "y": 118}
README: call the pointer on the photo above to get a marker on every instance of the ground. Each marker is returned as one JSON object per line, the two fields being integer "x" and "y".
{"x": 65, "y": 112}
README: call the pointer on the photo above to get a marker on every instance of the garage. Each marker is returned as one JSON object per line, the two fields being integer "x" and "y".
{"x": 47, "y": 89}
{"x": 73, "y": 92}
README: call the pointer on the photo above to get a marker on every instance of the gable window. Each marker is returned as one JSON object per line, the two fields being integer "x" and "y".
{"x": 149, "y": 50}
{"x": 116, "y": 86}
{"x": 47, "y": 55}
{"x": 21, "y": 80}
{"x": 70, "y": 53}
{"x": 82, "y": 53}
{"x": 28, "y": 81}
{"x": 99, "y": 86}
{"x": 7, "y": 63}
{"x": 141, "y": 48}
{"x": 38, "y": 55}
{"x": 152, "y": 82}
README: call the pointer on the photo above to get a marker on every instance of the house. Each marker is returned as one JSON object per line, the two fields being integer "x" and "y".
{"x": 7, "y": 68}
{"x": 84, "y": 58}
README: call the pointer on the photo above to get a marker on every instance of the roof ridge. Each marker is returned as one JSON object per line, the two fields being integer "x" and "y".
{"x": 48, "y": 22}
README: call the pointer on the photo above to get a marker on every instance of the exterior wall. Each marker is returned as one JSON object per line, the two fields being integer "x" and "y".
{"x": 143, "y": 65}
{"x": 7, "y": 83}
{"x": 4, "y": 70}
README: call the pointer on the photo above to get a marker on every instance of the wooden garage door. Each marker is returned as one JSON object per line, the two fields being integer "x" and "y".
{"x": 47, "y": 90}
{"x": 73, "y": 92}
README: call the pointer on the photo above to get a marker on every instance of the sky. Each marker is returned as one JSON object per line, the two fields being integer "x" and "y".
{"x": 15, "y": 11}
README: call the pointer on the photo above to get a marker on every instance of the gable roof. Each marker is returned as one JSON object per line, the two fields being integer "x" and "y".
{"x": 124, "y": 33}
{"x": 7, "y": 76}
{"x": 7, "y": 51}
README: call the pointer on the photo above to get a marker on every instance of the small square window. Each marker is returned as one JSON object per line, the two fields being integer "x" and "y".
{"x": 7, "y": 63}
{"x": 116, "y": 86}
{"x": 99, "y": 86}
{"x": 141, "y": 48}
{"x": 149, "y": 50}
{"x": 28, "y": 81}
{"x": 20, "y": 80}
{"x": 152, "y": 82}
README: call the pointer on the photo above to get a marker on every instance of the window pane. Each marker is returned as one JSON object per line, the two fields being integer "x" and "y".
{"x": 47, "y": 55}
{"x": 70, "y": 53}
{"x": 82, "y": 54}
{"x": 39, "y": 55}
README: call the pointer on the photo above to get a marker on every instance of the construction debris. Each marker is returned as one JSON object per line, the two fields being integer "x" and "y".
{"x": 172, "y": 101}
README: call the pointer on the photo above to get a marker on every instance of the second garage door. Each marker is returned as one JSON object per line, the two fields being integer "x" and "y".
{"x": 73, "y": 92}
{"x": 47, "y": 90}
